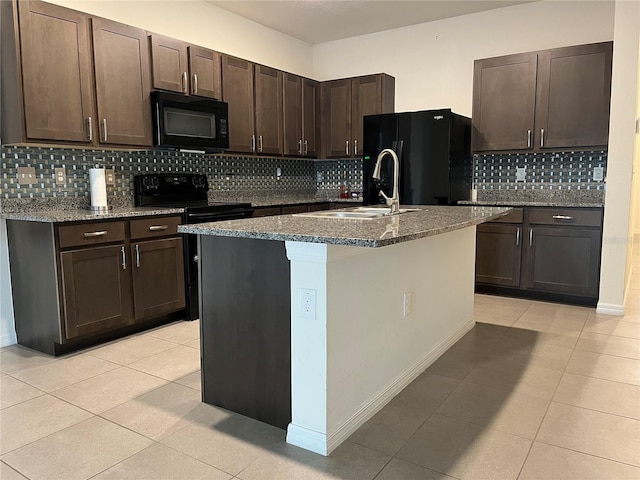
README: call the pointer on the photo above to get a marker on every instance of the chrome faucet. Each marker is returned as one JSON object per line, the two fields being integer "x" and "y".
{"x": 394, "y": 201}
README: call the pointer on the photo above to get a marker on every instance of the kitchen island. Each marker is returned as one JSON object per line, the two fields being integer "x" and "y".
{"x": 307, "y": 324}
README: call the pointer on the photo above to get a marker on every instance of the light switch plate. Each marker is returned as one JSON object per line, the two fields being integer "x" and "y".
{"x": 60, "y": 175}
{"x": 598, "y": 174}
{"x": 26, "y": 175}
{"x": 521, "y": 174}
{"x": 110, "y": 176}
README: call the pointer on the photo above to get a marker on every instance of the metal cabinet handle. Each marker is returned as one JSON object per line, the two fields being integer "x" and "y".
{"x": 562, "y": 217}
{"x": 541, "y": 137}
{"x": 355, "y": 147}
{"x": 124, "y": 258}
{"x": 299, "y": 147}
{"x": 306, "y": 147}
{"x": 104, "y": 127}
{"x": 260, "y": 143}
{"x": 137, "y": 256}
{"x": 253, "y": 143}
{"x": 528, "y": 138}
{"x": 184, "y": 82}
{"x": 94, "y": 234}
{"x": 194, "y": 86}
{"x": 346, "y": 148}
{"x": 155, "y": 228}
{"x": 531, "y": 237}
{"x": 518, "y": 237}
{"x": 90, "y": 128}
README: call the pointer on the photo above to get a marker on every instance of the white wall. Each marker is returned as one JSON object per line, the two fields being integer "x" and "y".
{"x": 7, "y": 330}
{"x": 206, "y": 25}
{"x": 433, "y": 62}
{"x": 618, "y": 225}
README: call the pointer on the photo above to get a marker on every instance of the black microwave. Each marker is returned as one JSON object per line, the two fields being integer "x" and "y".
{"x": 189, "y": 122}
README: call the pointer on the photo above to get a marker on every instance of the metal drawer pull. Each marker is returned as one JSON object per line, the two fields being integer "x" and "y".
{"x": 137, "y": 256}
{"x": 155, "y": 228}
{"x": 562, "y": 217}
{"x": 531, "y": 237}
{"x": 518, "y": 237}
{"x": 94, "y": 234}
{"x": 528, "y": 138}
{"x": 124, "y": 258}
{"x": 90, "y": 129}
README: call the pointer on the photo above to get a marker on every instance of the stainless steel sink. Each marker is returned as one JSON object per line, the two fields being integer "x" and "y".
{"x": 359, "y": 213}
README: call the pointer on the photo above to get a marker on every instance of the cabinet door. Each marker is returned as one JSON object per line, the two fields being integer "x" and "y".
{"x": 498, "y": 254}
{"x": 158, "y": 277}
{"x": 204, "y": 66}
{"x": 292, "y": 114}
{"x": 122, "y": 83}
{"x": 169, "y": 64}
{"x": 563, "y": 260}
{"x": 237, "y": 91}
{"x": 310, "y": 118}
{"x": 366, "y": 99}
{"x": 56, "y": 72}
{"x": 574, "y": 92}
{"x": 96, "y": 290}
{"x": 268, "y": 84}
{"x": 504, "y": 91}
{"x": 336, "y": 113}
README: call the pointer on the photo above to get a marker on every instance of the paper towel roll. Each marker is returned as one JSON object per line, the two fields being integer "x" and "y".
{"x": 98, "y": 187}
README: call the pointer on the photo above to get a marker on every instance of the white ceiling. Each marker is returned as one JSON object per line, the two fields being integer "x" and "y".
{"x": 318, "y": 21}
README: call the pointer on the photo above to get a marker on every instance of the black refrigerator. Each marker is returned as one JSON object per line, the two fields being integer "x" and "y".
{"x": 434, "y": 148}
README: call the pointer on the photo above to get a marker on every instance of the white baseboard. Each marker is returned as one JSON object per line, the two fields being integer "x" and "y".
{"x": 610, "y": 309}
{"x": 8, "y": 339}
{"x": 324, "y": 444}
{"x": 307, "y": 439}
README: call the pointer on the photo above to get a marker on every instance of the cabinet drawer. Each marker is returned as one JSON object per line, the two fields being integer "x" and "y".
{"x": 514, "y": 216}
{"x": 565, "y": 216}
{"x": 155, "y": 227}
{"x": 91, "y": 234}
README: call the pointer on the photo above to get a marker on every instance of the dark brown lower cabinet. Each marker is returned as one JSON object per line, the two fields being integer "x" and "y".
{"x": 78, "y": 284}
{"x": 158, "y": 277}
{"x": 551, "y": 253}
{"x": 96, "y": 290}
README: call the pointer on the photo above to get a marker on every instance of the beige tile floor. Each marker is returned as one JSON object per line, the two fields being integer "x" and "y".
{"x": 534, "y": 391}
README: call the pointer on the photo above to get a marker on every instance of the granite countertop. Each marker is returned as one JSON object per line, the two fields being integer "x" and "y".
{"x": 540, "y": 203}
{"x": 539, "y": 198}
{"x": 83, "y": 215}
{"x": 377, "y": 232}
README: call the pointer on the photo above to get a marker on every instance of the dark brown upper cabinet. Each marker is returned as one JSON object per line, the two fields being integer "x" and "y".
{"x": 50, "y": 91}
{"x": 345, "y": 102}
{"x": 552, "y": 99}
{"x": 189, "y": 69}
{"x": 123, "y": 85}
{"x": 301, "y": 100}
{"x": 56, "y": 73}
{"x": 254, "y": 95}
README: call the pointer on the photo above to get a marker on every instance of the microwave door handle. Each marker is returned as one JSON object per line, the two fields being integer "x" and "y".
{"x": 159, "y": 140}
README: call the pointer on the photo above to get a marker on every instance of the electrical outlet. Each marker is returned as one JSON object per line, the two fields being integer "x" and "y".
{"x": 408, "y": 304}
{"x": 60, "y": 176}
{"x": 26, "y": 175}
{"x": 521, "y": 174}
{"x": 308, "y": 303}
{"x": 598, "y": 174}
{"x": 110, "y": 176}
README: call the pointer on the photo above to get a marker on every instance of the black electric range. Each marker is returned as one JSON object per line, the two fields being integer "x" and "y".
{"x": 188, "y": 191}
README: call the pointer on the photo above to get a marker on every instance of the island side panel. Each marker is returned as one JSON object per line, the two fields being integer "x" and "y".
{"x": 246, "y": 327}
{"x": 364, "y": 350}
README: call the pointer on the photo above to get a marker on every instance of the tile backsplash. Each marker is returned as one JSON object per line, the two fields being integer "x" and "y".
{"x": 542, "y": 171}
